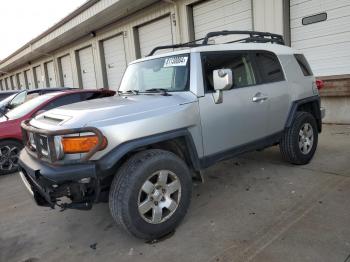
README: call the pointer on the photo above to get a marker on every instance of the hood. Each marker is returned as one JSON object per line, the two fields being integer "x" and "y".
{"x": 104, "y": 109}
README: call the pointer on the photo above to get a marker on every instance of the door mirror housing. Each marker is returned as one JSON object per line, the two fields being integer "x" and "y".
{"x": 223, "y": 80}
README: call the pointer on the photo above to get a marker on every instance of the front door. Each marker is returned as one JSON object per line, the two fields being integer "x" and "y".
{"x": 242, "y": 116}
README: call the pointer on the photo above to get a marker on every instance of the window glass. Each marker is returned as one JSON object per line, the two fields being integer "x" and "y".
{"x": 304, "y": 65}
{"x": 239, "y": 63}
{"x": 19, "y": 99}
{"x": 63, "y": 100}
{"x": 27, "y": 107}
{"x": 170, "y": 73}
{"x": 269, "y": 67}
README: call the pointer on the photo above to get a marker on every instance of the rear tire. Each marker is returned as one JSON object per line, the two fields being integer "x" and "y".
{"x": 299, "y": 142}
{"x": 150, "y": 194}
{"x": 9, "y": 153}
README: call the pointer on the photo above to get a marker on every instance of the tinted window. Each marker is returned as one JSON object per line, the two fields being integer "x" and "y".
{"x": 239, "y": 63}
{"x": 63, "y": 100}
{"x": 304, "y": 65}
{"x": 269, "y": 67}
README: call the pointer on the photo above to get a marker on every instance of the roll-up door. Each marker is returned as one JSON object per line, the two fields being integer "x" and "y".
{"x": 14, "y": 85}
{"x": 50, "y": 74}
{"x": 39, "y": 78}
{"x": 1, "y": 85}
{"x": 115, "y": 62}
{"x": 8, "y": 83}
{"x": 66, "y": 71}
{"x": 22, "y": 82}
{"x": 321, "y": 30}
{"x": 155, "y": 34}
{"x": 87, "y": 68}
{"x": 220, "y": 15}
{"x": 29, "y": 79}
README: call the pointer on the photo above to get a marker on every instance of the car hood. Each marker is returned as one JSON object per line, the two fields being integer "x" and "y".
{"x": 93, "y": 112}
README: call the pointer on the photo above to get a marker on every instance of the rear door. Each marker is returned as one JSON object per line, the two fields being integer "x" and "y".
{"x": 242, "y": 116}
{"x": 275, "y": 88}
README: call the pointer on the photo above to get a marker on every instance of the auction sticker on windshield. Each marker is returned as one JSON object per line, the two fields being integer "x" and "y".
{"x": 175, "y": 61}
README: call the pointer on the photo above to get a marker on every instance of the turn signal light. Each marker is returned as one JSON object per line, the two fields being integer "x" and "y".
{"x": 81, "y": 144}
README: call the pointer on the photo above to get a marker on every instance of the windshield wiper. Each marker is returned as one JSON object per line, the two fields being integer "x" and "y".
{"x": 4, "y": 114}
{"x": 163, "y": 91}
{"x": 135, "y": 92}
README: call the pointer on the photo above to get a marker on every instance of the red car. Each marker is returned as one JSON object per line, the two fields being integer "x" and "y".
{"x": 10, "y": 130}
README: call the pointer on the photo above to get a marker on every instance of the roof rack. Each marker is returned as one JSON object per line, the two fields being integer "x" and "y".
{"x": 254, "y": 37}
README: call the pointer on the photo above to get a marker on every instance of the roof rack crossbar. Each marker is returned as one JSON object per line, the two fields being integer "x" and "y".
{"x": 253, "y": 35}
{"x": 187, "y": 44}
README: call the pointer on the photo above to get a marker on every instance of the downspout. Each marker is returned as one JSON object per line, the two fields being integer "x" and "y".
{"x": 177, "y": 19}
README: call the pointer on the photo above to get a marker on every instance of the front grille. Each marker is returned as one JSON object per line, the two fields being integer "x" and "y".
{"x": 38, "y": 144}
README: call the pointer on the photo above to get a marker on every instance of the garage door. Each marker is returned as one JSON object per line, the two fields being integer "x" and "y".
{"x": 66, "y": 71}
{"x": 220, "y": 15}
{"x": 1, "y": 85}
{"x": 29, "y": 79}
{"x": 87, "y": 68}
{"x": 22, "y": 82}
{"x": 321, "y": 30}
{"x": 50, "y": 74}
{"x": 8, "y": 83}
{"x": 115, "y": 62}
{"x": 39, "y": 79}
{"x": 14, "y": 84}
{"x": 155, "y": 34}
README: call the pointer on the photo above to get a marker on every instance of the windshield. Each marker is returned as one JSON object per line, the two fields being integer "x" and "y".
{"x": 27, "y": 107}
{"x": 170, "y": 73}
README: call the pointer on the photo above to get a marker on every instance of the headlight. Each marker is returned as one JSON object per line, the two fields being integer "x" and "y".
{"x": 58, "y": 147}
{"x": 81, "y": 144}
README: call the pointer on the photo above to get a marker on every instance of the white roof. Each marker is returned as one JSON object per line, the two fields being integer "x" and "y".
{"x": 274, "y": 48}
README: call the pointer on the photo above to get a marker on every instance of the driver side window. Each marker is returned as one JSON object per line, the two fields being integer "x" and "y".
{"x": 239, "y": 63}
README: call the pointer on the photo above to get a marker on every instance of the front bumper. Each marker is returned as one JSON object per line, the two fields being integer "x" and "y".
{"x": 49, "y": 184}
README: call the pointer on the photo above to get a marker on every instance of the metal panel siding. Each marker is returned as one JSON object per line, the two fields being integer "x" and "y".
{"x": 22, "y": 82}
{"x": 325, "y": 44}
{"x": 220, "y": 15}
{"x": 115, "y": 62}
{"x": 155, "y": 34}
{"x": 50, "y": 73}
{"x": 39, "y": 77}
{"x": 29, "y": 79}
{"x": 87, "y": 68}
{"x": 66, "y": 71}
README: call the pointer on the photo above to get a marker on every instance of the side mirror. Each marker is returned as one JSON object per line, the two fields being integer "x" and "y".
{"x": 223, "y": 80}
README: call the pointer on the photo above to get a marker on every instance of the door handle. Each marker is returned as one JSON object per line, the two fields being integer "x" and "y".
{"x": 259, "y": 97}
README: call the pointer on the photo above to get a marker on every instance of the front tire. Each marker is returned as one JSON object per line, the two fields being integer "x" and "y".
{"x": 9, "y": 153}
{"x": 299, "y": 142}
{"x": 151, "y": 193}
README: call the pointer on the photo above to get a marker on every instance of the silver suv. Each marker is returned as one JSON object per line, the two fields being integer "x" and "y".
{"x": 177, "y": 113}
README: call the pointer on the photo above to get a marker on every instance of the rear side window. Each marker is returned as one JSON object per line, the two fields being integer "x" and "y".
{"x": 304, "y": 65}
{"x": 269, "y": 67}
{"x": 63, "y": 100}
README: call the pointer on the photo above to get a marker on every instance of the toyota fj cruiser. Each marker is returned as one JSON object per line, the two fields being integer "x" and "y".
{"x": 177, "y": 113}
